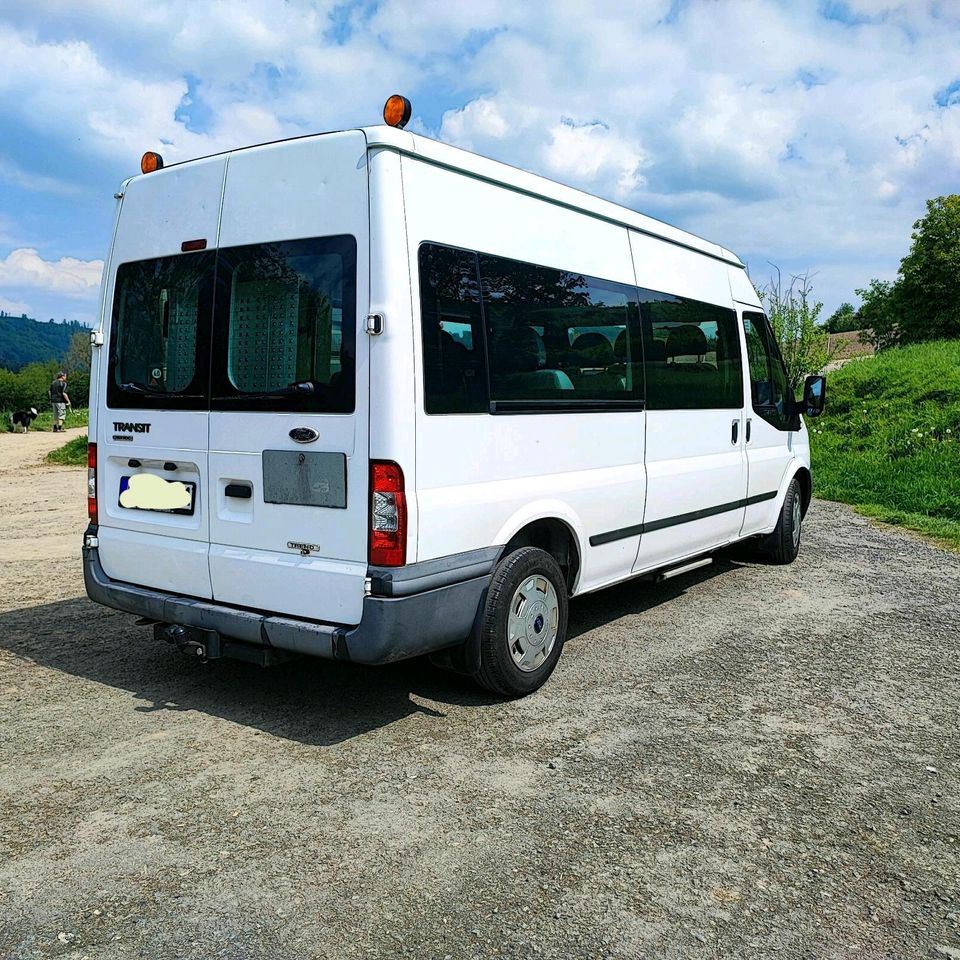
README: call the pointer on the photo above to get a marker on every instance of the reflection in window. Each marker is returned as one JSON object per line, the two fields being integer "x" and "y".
{"x": 556, "y": 335}
{"x": 692, "y": 354}
{"x": 285, "y": 305}
{"x": 768, "y": 379}
{"x": 454, "y": 373}
{"x": 157, "y": 309}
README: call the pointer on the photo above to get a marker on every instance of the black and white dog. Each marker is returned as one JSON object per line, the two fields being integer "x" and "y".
{"x": 23, "y": 418}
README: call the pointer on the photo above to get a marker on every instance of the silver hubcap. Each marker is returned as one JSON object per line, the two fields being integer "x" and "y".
{"x": 533, "y": 623}
{"x": 795, "y": 532}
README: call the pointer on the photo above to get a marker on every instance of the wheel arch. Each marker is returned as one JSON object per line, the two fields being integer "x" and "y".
{"x": 555, "y": 534}
{"x": 804, "y": 478}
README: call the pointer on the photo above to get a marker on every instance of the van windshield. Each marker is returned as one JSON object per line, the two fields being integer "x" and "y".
{"x": 266, "y": 326}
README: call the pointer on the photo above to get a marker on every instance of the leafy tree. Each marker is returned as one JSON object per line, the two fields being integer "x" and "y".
{"x": 793, "y": 315}
{"x": 77, "y": 356}
{"x": 923, "y": 303}
{"x": 880, "y": 313}
{"x": 843, "y": 319}
{"x": 929, "y": 280}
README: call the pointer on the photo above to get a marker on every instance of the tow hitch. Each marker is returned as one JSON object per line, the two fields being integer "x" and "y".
{"x": 205, "y": 645}
{"x": 187, "y": 641}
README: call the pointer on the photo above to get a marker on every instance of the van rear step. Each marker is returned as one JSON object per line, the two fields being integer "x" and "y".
{"x": 205, "y": 645}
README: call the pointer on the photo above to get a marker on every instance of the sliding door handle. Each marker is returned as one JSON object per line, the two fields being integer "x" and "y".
{"x": 746, "y": 435}
{"x": 734, "y": 432}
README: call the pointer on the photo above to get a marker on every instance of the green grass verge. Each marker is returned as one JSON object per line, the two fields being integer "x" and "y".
{"x": 44, "y": 423}
{"x": 72, "y": 454}
{"x": 889, "y": 440}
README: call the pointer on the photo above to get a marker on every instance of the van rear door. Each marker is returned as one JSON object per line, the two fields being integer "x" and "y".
{"x": 288, "y": 453}
{"x": 153, "y": 423}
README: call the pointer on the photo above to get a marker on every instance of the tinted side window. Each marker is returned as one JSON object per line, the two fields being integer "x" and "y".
{"x": 454, "y": 371}
{"x": 692, "y": 354}
{"x": 769, "y": 389}
{"x": 559, "y": 337}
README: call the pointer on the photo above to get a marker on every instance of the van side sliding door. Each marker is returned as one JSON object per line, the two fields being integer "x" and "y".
{"x": 696, "y": 466}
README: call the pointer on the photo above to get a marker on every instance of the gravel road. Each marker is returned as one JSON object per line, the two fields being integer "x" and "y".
{"x": 746, "y": 761}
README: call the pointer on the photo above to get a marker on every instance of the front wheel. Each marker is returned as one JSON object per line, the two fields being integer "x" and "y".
{"x": 524, "y": 623}
{"x": 783, "y": 545}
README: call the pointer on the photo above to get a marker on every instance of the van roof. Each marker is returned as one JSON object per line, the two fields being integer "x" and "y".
{"x": 494, "y": 171}
{"x": 454, "y": 158}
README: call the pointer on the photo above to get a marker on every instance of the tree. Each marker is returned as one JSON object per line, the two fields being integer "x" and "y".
{"x": 929, "y": 280}
{"x": 880, "y": 313}
{"x": 77, "y": 357}
{"x": 923, "y": 303}
{"x": 793, "y": 315}
{"x": 843, "y": 319}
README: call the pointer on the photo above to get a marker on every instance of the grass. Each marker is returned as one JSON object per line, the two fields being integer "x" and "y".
{"x": 889, "y": 440}
{"x": 44, "y": 423}
{"x": 72, "y": 454}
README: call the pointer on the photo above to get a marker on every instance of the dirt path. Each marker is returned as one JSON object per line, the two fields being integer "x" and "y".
{"x": 747, "y": 761}
{"x": 40, "y": 507}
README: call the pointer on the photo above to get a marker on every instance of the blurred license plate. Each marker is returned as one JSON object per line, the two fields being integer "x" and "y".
{"x": 187, "y": 510}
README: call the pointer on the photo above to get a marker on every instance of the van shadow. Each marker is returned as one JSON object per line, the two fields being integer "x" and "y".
{"x": 311, "y": 701}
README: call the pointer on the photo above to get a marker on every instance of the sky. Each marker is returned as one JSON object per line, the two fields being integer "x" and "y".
{"x": 805, "y": 135}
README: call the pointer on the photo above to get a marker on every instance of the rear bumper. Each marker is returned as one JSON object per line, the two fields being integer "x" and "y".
{"x": 423, "y": 608}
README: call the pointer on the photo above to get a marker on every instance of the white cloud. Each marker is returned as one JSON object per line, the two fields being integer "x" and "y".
{"x": 589, "y": 151}
{"x": 25, "y": 267}
{"x": 763, "y": 125}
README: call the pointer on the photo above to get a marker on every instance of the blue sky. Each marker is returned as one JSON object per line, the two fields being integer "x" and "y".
{"x": 808, "y": 135}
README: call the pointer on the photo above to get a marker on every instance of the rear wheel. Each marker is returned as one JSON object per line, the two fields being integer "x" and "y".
{"x": 524, "y": 623}
{"x": 783, "y": 545}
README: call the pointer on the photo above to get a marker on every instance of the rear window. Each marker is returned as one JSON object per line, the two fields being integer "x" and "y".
{"x": 285, "y": 326}
{"x": 266, "y": 326}
{"x": 161, "y": 316}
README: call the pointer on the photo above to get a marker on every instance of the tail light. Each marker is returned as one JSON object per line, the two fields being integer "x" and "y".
{"x": 388, "y": 515}
{"x": 92, "y": 482}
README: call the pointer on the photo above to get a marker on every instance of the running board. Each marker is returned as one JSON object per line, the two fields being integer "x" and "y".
{"x": 685, "y": 568}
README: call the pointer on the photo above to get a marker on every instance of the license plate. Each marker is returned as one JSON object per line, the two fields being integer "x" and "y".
{"x": 187, "y": 510}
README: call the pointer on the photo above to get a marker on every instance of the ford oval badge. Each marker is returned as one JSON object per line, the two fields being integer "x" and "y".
{"x": 303, "y": 434}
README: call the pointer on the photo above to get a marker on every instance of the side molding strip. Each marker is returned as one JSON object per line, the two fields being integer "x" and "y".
{"x": 639, "y": 528}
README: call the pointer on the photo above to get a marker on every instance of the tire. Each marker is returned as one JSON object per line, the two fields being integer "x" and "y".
{"x": 528, "y": 597}
{"x": 783, "y": 545}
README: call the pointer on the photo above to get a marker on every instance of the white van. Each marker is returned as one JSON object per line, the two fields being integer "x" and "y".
{"x": 367, "y": 396}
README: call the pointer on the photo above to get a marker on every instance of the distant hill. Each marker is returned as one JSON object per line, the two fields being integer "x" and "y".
{"x": 23, "y": 340}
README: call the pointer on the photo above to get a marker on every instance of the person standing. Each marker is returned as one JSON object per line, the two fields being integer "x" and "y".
{"x": 60, "y": 400}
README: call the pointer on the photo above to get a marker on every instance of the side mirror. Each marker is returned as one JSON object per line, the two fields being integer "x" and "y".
{"x": 814, "y": 395}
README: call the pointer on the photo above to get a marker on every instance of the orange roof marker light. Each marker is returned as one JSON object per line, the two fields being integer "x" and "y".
{"x": 151, "y": 161}
{"x": 396, "y": 111}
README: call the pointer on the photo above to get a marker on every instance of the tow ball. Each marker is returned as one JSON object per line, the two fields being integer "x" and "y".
{"x": 183, "y": 640}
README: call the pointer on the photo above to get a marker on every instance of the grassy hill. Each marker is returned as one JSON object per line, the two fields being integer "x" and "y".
{"x": 24, "y": 341}
{"x": 889, "y": 440}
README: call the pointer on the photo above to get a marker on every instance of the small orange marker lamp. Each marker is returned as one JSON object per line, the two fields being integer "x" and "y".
{"x": 396, "y": 111}
{"x": 150, "y": 162}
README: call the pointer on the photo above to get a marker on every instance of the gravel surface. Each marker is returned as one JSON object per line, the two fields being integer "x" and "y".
{"x": 746, "y": 761}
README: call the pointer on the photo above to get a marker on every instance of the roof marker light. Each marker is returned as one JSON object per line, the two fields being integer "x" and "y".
{"x": 150, "y": 162}
{"x": 396, "y": 111}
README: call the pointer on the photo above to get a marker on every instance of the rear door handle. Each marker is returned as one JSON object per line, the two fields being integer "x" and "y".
{"x": 734, "y": 432}
{"x": 240, "y": 490}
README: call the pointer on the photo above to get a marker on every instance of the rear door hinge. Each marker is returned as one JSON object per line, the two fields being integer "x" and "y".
{"x": 374, "y": 324}
{"x": 96, "y": 338}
